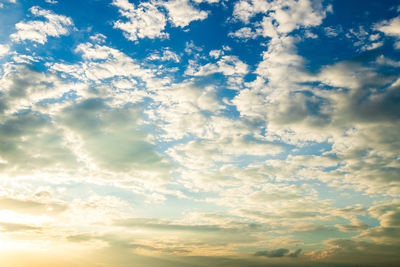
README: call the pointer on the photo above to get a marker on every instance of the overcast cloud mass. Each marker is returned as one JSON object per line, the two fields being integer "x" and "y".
{"x": 199, "y": 133}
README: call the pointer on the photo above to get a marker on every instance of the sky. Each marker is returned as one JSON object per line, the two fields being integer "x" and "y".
{"x": 199, "y": 133}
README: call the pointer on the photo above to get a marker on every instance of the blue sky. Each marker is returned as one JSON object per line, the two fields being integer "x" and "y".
{"x": 199, "y": 132}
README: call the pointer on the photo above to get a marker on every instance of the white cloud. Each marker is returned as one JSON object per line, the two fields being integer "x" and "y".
{"x": 246, "y": 9}
{"x": 38, "y": 31}
{"x": 333, "y": 31}
{"x": 187, "y": 102}
{"x": 182, "y": 13}
{"x": 227, "y": 65}
{"x": 167, "y": 55}
{"x": 103, "y": 62}
{"x": 363, "y": 39}
{"x": 280, "y": 17}
{"x": 382, "y": 60}
{"x": 298, "y": 14}
{"x": 207, "y": 1}
{"x": 24, "y": 88}
{"x": 4, "y": 49}
{"x": 216, "y": 53}
{"x": 245, "y": 33}
{"x": 390, "y": 28}
{"x": 98, "y": 38}
{"x": 191, "y": 48}
{"x": 144, "y": 21}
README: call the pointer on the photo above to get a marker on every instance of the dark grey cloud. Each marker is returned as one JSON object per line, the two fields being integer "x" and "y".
{"x": 295, "y": 253}
{"x": 363, "y": 253}
{"x": 276, "y": 253}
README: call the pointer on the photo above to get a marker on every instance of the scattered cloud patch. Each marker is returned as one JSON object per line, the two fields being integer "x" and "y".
{"x": 390, "y": 28}
{"x": 145, "y": 20}
{"x": 182, "y": 13}
{"x": 38, "y": 31}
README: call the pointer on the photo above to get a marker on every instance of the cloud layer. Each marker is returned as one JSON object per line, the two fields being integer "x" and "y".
{"x": 193, "y": 133}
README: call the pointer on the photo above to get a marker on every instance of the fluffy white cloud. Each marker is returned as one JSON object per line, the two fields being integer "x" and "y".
{"x": 245, "y": 33}
{"x": 227, "y": 65}
{"x": 23, "y": 88}
{"x": 167, "y": 55}
{"x": 38, "y": 31}
{"x": 391, "y": 28}
{"x": 4, "y": 49}
{"x": 295, "y": 14}
{"x": 102, "y": 62}
{"x": 206, "y": 1}
{"x": 279, "y": 17}
{"x": 181, "y": 12}
{"x": 245, "y": 10}
{"x": 148, "y": 19}
{"x": 144, "y": 20}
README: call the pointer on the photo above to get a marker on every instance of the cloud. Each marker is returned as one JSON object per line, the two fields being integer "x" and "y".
{"x": 230, "y": 66}
{"x": 148, "y": 20}
{"x": 15, "y": 227}
{"x": 31, "y": 206}
{"x": 242, "y": 154}
{"x": 355, "y": 226}
{"x": 189, "y": 102}
{"x": 38, "y": 31}
{"x": 347, "y": 251}
{"x": 110, "y": 136}
{"x": 167, "y": 226}
{"x": 388, "y": 231}
{"x": 43, "y": 134}
{"x": 114, "y": 75}
{"x": 245, "y": 10}
{"x": 277, "y": 253}
{"x": 4, "y": 49}
{"x": 245, "y": 33}
{"x": 333, "y": 31}
{"x": 390, "y": 28}
{"x": 298, "y": 14}
{"x": 167, "y": 55}
{"x": 281, "y": 17}
{"x": 144, "y": 21}
{"x": 182, "y": 13}
{"x": 25, "y": 87}
{"x": 30, "y": 144}
{"x": 207, "y": 1}
{"x": 295, "y": 253}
